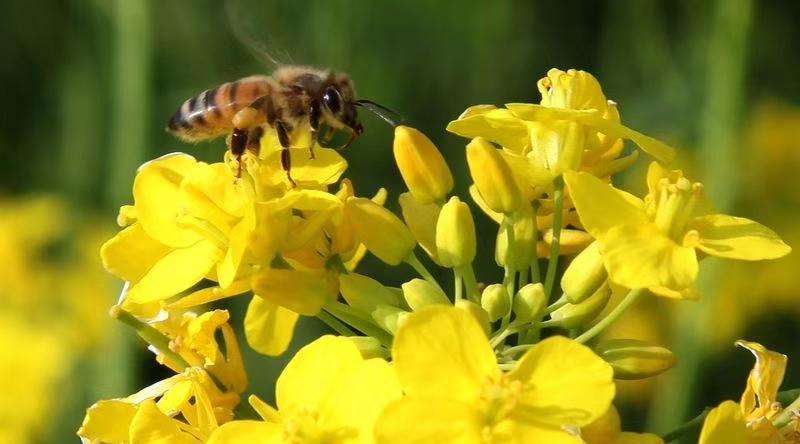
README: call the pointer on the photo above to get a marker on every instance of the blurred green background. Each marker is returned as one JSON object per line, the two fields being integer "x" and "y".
{"x": 89, "y": 85}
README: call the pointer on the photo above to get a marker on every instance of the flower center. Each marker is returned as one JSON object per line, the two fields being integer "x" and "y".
{"x": 498, "y": 398}
{"x": 673, "y": 204}
{"x": 303, "y": 428}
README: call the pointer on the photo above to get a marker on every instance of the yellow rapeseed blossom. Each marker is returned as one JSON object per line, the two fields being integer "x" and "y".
{"x": 328, "y": 393}
{"x": 456, "y": 393}
{"x": 652, "y": 243}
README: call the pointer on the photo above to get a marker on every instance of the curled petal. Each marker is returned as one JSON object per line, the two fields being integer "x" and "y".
{"x": 737, "y": 238}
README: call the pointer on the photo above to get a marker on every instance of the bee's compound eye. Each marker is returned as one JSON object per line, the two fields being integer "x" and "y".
{"x": 332, "y": 100}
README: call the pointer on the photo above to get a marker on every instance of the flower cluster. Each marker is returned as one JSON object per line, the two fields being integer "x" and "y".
{"x": 482, "y": 362}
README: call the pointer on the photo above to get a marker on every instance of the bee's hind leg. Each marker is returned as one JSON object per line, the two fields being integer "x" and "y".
{"x": 286, "y": 155}
{"x": 238, "y": 144}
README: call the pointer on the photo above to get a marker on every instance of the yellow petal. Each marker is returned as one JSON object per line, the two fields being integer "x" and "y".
{"x": 641, "y": 256}
{"x": 314, "y": 372}
{"x": 209, "y": 192}
{"x": 429, "y": 420}
{"x": 764, "y": 380}
{"x": 421, "y": 220}
{"x": 108, "y": 421}
{"x": 531, "y": 432}
{"x": 269, "y": 328}
{"x": 724, "y": 425}
{"x": 156, "y": 191}
{"x": 131, "y": 253}
{"x": 359, "y": 398}
{"x": 601, "y": 206}
{"x": 422, "y": 166}
{"x": 638, "y": 438}
{"x": 594, "y": 119}
{"x": 250, "y": 432}
{"x": 737, "y": 238}
{"x": 497, "y": 125}
{"x": 442, "y": 351}
{"x": 238, "y": 241}
{"x": 478, "y": 199}
{"x": 150, "y": 426}
{"x": 325, "y": 169}
{"x": 570, "y": 385}
{"x": 176, "y": 272}
{"x": 603, "y": 430}
{"x": 302, "y": 291}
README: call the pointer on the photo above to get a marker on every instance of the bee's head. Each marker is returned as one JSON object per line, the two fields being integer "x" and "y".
{"x": 339, "y": 103}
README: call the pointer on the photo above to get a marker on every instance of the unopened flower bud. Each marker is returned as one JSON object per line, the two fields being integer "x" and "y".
{"x": 529, "y": 303}
{"x": 476, "y": 311}
{"x": 420, "y": 293}
{"x": 585, "y": 274}
{"x": 383, "y": 233}
{"x": 495, "y": 300}
{"x": 635, "y": 359}
{"x": 493, "y": 177}
{"x": 364, "y": 293}
{"x": 520, "y": 255}
{"x": 455, "y": 234}
{"x": 422, "y": 166}
{"x": 369, "y": 347}
{"x": 577, "y": 315}
{"x": 389, "y": 317}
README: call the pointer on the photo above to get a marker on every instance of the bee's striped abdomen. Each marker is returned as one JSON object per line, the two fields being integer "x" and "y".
{"x": 209, "y": 114}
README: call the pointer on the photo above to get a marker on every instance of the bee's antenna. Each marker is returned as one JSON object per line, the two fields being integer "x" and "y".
{"x": 391, "y": 117}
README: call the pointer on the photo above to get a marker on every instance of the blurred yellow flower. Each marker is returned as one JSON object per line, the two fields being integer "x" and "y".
{"x": 456, "y": 393}
{"x": 651, "y": 243}
{"x": 328, "y": 393}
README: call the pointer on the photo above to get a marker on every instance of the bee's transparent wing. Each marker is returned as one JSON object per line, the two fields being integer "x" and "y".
{"x": 254, "y": 23}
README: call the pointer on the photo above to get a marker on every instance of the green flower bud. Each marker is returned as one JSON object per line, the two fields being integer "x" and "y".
{"x": 369, "y": 347}
{"x": 577, "y": 315}
{"x": 635, "y": 359}
{"x": 495, "y": 301}
{"x": 529, "y": 303}
{"x": 521, "y": 254}
{"x": 455, "y": 234}
{"x": 388, "y": 317}
{"x": 585, "y": 274}
{"x": 476, "y": 311}
{"x": 420, "y": 293}
{"x": 364, "y": 293}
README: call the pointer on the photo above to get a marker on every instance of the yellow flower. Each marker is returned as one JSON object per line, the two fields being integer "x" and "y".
{"x": 422, "y": 166}
{"x": 328, "y": 393}
{"x": 456, "y": 393}
{"x": 189, "y": 408}
{"x": 573, "y": 128}
{"x": 755, "y": 418}
{"x": 651, "y": 243}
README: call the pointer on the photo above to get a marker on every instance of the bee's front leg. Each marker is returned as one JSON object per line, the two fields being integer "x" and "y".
{"x": 286, "y": 155}
{"x": 313, "y": 120}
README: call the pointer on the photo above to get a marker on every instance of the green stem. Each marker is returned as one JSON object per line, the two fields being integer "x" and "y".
{"x": 562, "y": 301}
{"x": 473, "y": 292}
{"x": 155, "y": 338}
{"x": 500, "y": 337}
{"x": 536, "y": 276}
{"x": 596, "y": 329}
{"x": 690, "y": 426}
{"x": 787, "y": 414}
{"x": 523, "y": 278}
{"x": 457, "y": 285}
{"x": 335, "y": 324}
{"x": 558, "y": 216}
{"x": 420, "y": 268}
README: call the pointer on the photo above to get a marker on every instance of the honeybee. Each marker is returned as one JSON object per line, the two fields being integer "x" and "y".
{"x": 293, "y": 96}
